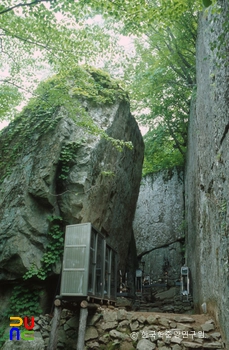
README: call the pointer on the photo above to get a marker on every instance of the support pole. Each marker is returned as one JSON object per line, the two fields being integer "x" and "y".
{"x": 55, "y": 323}
{"x": 82, "y": 324}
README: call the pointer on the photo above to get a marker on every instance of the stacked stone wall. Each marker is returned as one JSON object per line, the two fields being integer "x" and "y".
{"x": 113, "y": 328}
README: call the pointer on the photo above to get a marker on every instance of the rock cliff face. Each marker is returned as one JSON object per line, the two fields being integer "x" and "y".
{"x": 207, "y": 190}
{"x": 69, "y": 172}
{"x": 159, "y": 223}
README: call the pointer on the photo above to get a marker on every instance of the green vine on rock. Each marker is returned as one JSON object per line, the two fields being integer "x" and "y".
{"x": 96, "y": 86}
{"x": 24, "y": 301}
{"x": 53, "y": 253}
{"x": 18, "y": 136}
{"x": 55, "y": 98}
{"x": 4, "y": 335}
{"x": 68, "y": 152}
{"x": 107, "y": 173}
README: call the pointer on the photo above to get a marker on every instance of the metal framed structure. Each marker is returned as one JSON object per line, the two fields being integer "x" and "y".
{"x": 185, "y": 290}
{"x": 89, "y": 264}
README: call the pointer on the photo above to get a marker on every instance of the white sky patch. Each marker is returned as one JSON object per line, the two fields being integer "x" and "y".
{"x": 3, "y": 124}
{"x": 126, "y": 42}
{"x": 97, "y": 19}
{"x": 143, "y": 129}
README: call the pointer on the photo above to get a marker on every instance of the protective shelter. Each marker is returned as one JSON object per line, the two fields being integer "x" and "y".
{"x": 89, "y": 265}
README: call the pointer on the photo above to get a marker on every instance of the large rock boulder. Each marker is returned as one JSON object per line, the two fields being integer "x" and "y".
{"x": 54, "y": 161}
{"x": 207, "y": 190}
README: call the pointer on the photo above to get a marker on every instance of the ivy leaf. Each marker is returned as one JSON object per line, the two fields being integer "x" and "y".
{"x": 207, "y": 3}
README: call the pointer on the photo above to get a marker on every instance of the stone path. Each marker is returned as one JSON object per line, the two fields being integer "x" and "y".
{"x": 169, "y": 300}
{"x": 149, "y": 331}
{"x": 113, "y": 328}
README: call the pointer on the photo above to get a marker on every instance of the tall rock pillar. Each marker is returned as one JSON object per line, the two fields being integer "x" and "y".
{"x": 207, "y": 169}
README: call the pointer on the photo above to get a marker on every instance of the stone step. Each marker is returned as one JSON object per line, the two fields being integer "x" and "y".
{"x": 130, "y": 330}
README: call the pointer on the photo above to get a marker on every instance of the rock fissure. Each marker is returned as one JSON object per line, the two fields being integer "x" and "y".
{"x": 161, "y": 246}
{"x": 225, "y": 133}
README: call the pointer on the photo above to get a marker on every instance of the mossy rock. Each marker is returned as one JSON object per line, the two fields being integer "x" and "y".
{"x": 58, "y": 96}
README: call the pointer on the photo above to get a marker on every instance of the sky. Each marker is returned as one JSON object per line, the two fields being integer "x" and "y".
{"x": 3, "y": 124}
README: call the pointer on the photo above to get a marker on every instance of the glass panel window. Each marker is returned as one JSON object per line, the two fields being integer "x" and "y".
{"x": 99, "y": 283}
{"x": 113, "y": 274}
{"x": 107, "y": 276}
{"x": 92, "y": 264}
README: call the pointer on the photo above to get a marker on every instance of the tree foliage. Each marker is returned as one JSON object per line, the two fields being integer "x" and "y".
{"x": 46, "y": 36}
{"x": 164, "y": 79}
{"x": 49, "y": 35}
{"x": 9, "y": 99}
{"x": 60, "y": 33}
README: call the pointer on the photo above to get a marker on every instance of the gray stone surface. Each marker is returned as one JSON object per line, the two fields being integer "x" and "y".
{"x": 145, "y": 344}
{"x": 213, "y": 345}
{"x": 191, "y": 345}
{"x": 61, "y": 336}
{"x": 215, "y": 335}
{"x": 73, "y": 322}
{"x": 109, "y": 325}
{"x": 32, "y": 191}
{"x": 207, "y": 189}
{"x": 176, "y": 340}
{"x": 159, "y": 213}
{"x": 93, "y": 319}
{"x": 121, "y": 315}
{"x": 123, "y": 325}
{"x": 126, "y": 346}
{"x": 158, "y": 222}
{"x": 134, "y": 326}
{"x": 92, "y": 345}
{"x": 176, "y": 347}
{"x": 184, "y": 319}
{"x": 109, "y": 316}
{"x": 118, "y": 335}
{"x": 91, "y": 333}
{"x": 163, "y": 321}
{"x": 152, "y": 319}
{"x": 36, "y": 344}
{"x": 170, "y": 293}
{"x": 207, "y": 327}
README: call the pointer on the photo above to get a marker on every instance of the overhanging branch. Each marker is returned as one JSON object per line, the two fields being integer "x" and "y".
{"x": 23, "y": 5}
